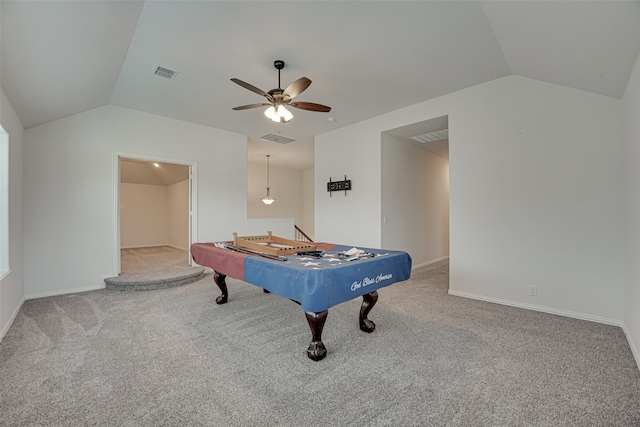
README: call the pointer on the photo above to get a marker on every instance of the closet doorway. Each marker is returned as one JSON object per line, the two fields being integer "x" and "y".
{"x": 155, "y": 222}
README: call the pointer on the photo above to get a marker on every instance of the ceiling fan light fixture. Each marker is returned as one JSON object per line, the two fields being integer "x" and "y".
{"x": 270, "y": 112}
{"x": 280, "y": 114}
{"x": 286, "y": 114}
{"x": 279, "y": 98}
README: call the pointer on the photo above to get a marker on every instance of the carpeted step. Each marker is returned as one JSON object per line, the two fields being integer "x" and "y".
{"x": 161, "y": 278}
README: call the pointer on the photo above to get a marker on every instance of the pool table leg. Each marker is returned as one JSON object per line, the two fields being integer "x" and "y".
{"x": 368, "y": 301}
{"x": 219, "y": 279}
{"x": 316, "y": 351}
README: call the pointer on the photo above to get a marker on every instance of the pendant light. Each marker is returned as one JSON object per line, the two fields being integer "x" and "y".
{"x": 268, "y": 199}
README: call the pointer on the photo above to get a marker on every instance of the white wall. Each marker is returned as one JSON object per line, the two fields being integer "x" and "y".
{"x": 12, "y": 285}
{"x": 178, "y": 201}
{"x": 354, "y": 218}
{"x": 536, "y": 193}
{"x": 415, "y": 201}
{"x": 293, "y": 190}
{"x": 144, "y": 215}
{"x": 308, "y": 198}
{"x": 631, "y": 102}
{"x": 69, "y": 191}
{"x": 286, "y": 188}
{"x": 154, "y": 215}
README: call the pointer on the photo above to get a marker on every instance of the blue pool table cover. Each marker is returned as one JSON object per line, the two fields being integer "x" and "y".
{"x": 316, "y": 283}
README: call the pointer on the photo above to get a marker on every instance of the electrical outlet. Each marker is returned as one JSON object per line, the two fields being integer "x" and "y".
{"x": 533, "y": 290}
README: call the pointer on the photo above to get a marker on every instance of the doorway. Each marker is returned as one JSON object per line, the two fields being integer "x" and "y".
{"x": 415, "y": 190}
{"x": 155, "y": 221}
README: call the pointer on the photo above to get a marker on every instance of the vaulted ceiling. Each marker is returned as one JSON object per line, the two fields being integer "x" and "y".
{"x": 365, "y": 58}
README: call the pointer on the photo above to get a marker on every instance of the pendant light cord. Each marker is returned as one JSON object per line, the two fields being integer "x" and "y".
{"x": 268, "y": 171}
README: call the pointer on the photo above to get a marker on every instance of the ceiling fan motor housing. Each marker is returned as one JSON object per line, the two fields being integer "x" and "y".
{"x": 277, "y": 94}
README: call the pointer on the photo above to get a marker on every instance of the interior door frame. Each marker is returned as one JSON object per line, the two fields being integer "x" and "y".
{"x": 193, "y": 199}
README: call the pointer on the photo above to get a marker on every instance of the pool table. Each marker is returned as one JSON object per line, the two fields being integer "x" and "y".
{"x": 317, "y": 284}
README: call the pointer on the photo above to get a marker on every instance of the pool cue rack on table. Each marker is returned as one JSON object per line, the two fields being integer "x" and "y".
{"x": 271, "y": 245}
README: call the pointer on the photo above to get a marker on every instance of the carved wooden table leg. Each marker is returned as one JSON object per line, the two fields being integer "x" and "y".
{"x": 316, "y": 350}
{"x": 368, "y": 301}
{"x": 219, "y": 279}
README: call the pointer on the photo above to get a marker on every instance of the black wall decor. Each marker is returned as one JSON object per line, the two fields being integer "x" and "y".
{"x": 339, "y": 185}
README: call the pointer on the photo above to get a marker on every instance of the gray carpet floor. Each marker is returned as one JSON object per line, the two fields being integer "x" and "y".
{"x": 173, "y": 357}
{"x": 141, "y": 260}
{"x": 152, "y": 268}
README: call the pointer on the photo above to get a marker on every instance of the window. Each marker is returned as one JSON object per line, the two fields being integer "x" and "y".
{"x": 4, "y": 202}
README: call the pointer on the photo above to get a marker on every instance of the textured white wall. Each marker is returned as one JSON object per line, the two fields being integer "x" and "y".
{"x": 308, "y": 199}
{"x": 154, "y": 215}
{"x": 69, "y": 190}
{"x": 292, "y": 188}
{"x": 354, "y": 218}
{"x": 178, "y": 201}
{"x": 537, "y": 197}
{"x": 286, "y": 188}
{"x": 415, "y": 201}
{"x": 12, "y": 285}
{"x": 536, "y": 193}
{"x": 632, "y": 168}
{"x": 144, "y": 215}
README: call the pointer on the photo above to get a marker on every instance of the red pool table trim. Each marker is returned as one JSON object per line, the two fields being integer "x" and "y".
{"x": 229, "y": 262}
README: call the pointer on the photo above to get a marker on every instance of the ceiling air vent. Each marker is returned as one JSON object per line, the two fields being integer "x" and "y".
{"x": 276, "y": 138}
{"x": 165, "y": 72}
{"x": 431, "y": 137}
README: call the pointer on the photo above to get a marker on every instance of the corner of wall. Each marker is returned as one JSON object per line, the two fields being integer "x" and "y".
{"x": 7, "y": 325}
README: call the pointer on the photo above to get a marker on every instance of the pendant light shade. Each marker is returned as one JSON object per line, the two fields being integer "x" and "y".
{"x": 267, "y": 200}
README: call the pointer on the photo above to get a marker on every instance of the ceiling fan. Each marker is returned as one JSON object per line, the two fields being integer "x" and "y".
{"x": 279, "y": 99}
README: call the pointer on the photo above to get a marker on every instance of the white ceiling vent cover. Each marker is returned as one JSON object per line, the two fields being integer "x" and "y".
{"x": 276, "y": 138}
{"x": 165, "y": 72}
{"x": 431, "y": 137}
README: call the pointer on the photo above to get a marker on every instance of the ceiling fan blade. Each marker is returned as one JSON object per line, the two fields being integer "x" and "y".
{"x": 296, "y": 88}
{"x": 311, "y": 106}
{"x": 246, "y": 107}
{"x": 252, "y": 88}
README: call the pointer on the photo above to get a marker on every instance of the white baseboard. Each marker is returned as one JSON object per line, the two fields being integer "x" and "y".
{"x": 144, "y": 246}
{"x": 65, "y": 291}
{"x": 154, "y": 246}
{"x": 573, "y": 314}
{"x": 634, "y": 349}
{"x": 433, "y": 261}
{"x": 11, "y": 319}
